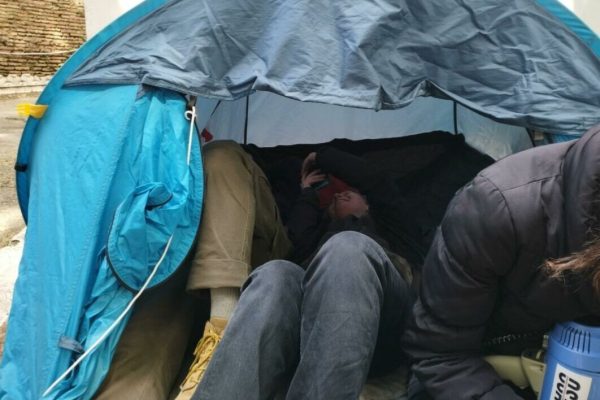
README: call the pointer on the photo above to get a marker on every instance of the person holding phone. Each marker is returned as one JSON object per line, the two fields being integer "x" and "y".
{"x": 316, "y": 328}
{"x": 366, "y": 200}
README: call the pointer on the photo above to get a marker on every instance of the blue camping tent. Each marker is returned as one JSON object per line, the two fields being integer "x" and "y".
{"x": 110, "y": 179}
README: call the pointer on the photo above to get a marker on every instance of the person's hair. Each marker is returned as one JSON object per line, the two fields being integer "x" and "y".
{"x": 584, "y": 263}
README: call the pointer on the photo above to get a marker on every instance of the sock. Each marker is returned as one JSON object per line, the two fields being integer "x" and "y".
{"x": 222, "y": 303}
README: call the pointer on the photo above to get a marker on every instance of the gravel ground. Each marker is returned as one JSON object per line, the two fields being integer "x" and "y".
{"x": 11, "y": 127}
{"x": 11, "y": 222}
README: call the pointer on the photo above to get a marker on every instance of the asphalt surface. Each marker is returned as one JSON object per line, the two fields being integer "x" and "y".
{"x": 11, "y": 223}
{"x": 11, "y": 127}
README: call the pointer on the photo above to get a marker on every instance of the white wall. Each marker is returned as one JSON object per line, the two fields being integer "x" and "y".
{"x": 587, "y": 10}
{"x": 99, "y": 13}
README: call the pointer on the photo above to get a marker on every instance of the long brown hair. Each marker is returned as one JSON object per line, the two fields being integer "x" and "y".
{"x": 585, "y": 264}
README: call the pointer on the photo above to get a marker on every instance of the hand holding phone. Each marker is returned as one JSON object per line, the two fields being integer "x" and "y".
{"x": 310, "y": 175}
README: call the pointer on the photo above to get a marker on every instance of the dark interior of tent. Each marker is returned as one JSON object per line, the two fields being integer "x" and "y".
{"x": 428, "y": 168}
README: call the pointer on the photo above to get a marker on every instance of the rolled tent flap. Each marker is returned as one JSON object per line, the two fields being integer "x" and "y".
{"x": 142, "y": 226}
{"x": 164, "y": 196}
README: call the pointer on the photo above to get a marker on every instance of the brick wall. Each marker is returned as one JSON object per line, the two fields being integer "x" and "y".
{"x": 39, "y": 26}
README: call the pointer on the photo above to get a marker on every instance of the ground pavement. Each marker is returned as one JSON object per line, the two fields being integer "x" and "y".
{"x": 11, "y": 223}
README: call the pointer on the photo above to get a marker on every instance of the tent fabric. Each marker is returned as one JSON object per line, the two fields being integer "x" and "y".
{"x": 493, "y": 138}
{"x": 272, "y": 120}
{"x": 573, "y": 23}
{"x": 108, "y": 190}
{"x": 510, "y": 60}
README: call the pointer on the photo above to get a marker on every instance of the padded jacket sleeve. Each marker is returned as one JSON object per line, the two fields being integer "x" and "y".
{"x": 473, "y": 248}
{"x": 350, "y": 168}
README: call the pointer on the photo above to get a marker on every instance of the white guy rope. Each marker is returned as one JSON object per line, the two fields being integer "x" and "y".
{"x": 191, "y": 116}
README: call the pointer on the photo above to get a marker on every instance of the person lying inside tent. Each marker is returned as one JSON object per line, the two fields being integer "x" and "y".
{"x": 499, "y": 273}
{"x": 316, "y": 333}
{"x": 307, "y": 225}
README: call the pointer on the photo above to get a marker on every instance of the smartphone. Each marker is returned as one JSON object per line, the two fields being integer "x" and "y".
{"x": 320, "y": 185}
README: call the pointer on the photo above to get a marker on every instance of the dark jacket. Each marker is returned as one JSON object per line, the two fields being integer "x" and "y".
{"x": 482, "y": 277}
{"x": 418, "y": 176}
{"x": 388, "y": 222}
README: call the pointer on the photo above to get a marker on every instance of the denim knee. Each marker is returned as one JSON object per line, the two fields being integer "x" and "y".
{"x": 352, "y": 246}
{"x": 278, "y": 275}
{"x": 350, "y": 242}
{"x": 352, "y": 255}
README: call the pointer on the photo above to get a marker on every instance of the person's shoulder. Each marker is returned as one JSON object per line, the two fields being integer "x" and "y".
{"x": 526, "y": 167}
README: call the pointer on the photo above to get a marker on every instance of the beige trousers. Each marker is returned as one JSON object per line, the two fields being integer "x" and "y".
{"x": 150, "y": 352}
{"x": 240, "y": 229}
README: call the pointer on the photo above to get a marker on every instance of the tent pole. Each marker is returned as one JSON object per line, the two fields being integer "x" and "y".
{"x": 455, "y": 120}
{"x": 246, "y": 121}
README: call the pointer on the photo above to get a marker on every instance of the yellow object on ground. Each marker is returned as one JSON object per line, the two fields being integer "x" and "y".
{"x": 34, "y": 110}
{"x": 213, "y": 331}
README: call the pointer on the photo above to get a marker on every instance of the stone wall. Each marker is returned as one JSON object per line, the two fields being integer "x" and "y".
{"x": 39, "y": 26}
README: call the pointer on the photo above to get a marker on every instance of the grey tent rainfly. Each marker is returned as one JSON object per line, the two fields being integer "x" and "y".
{"x": 110, "y": 179}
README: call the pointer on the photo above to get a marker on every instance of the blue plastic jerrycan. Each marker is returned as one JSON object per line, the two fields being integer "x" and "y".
{"x": 572, "y": 363}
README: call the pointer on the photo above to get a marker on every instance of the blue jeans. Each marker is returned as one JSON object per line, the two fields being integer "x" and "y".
{"x": 313, "y": 334}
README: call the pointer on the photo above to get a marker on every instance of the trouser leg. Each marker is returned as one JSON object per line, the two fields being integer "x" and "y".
{"x": 240, "y": 225}
{"x": 152, "y": 347}
{"x": 259, "y": 351}
{"x": 354, "y": 301}
{"x": 240, "y": 229}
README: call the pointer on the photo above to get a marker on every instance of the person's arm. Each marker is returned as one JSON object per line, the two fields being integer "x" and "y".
{"x": 352, "y": 169}
{"x": 304, "y": 221}
{"x": 473, "y": 248}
